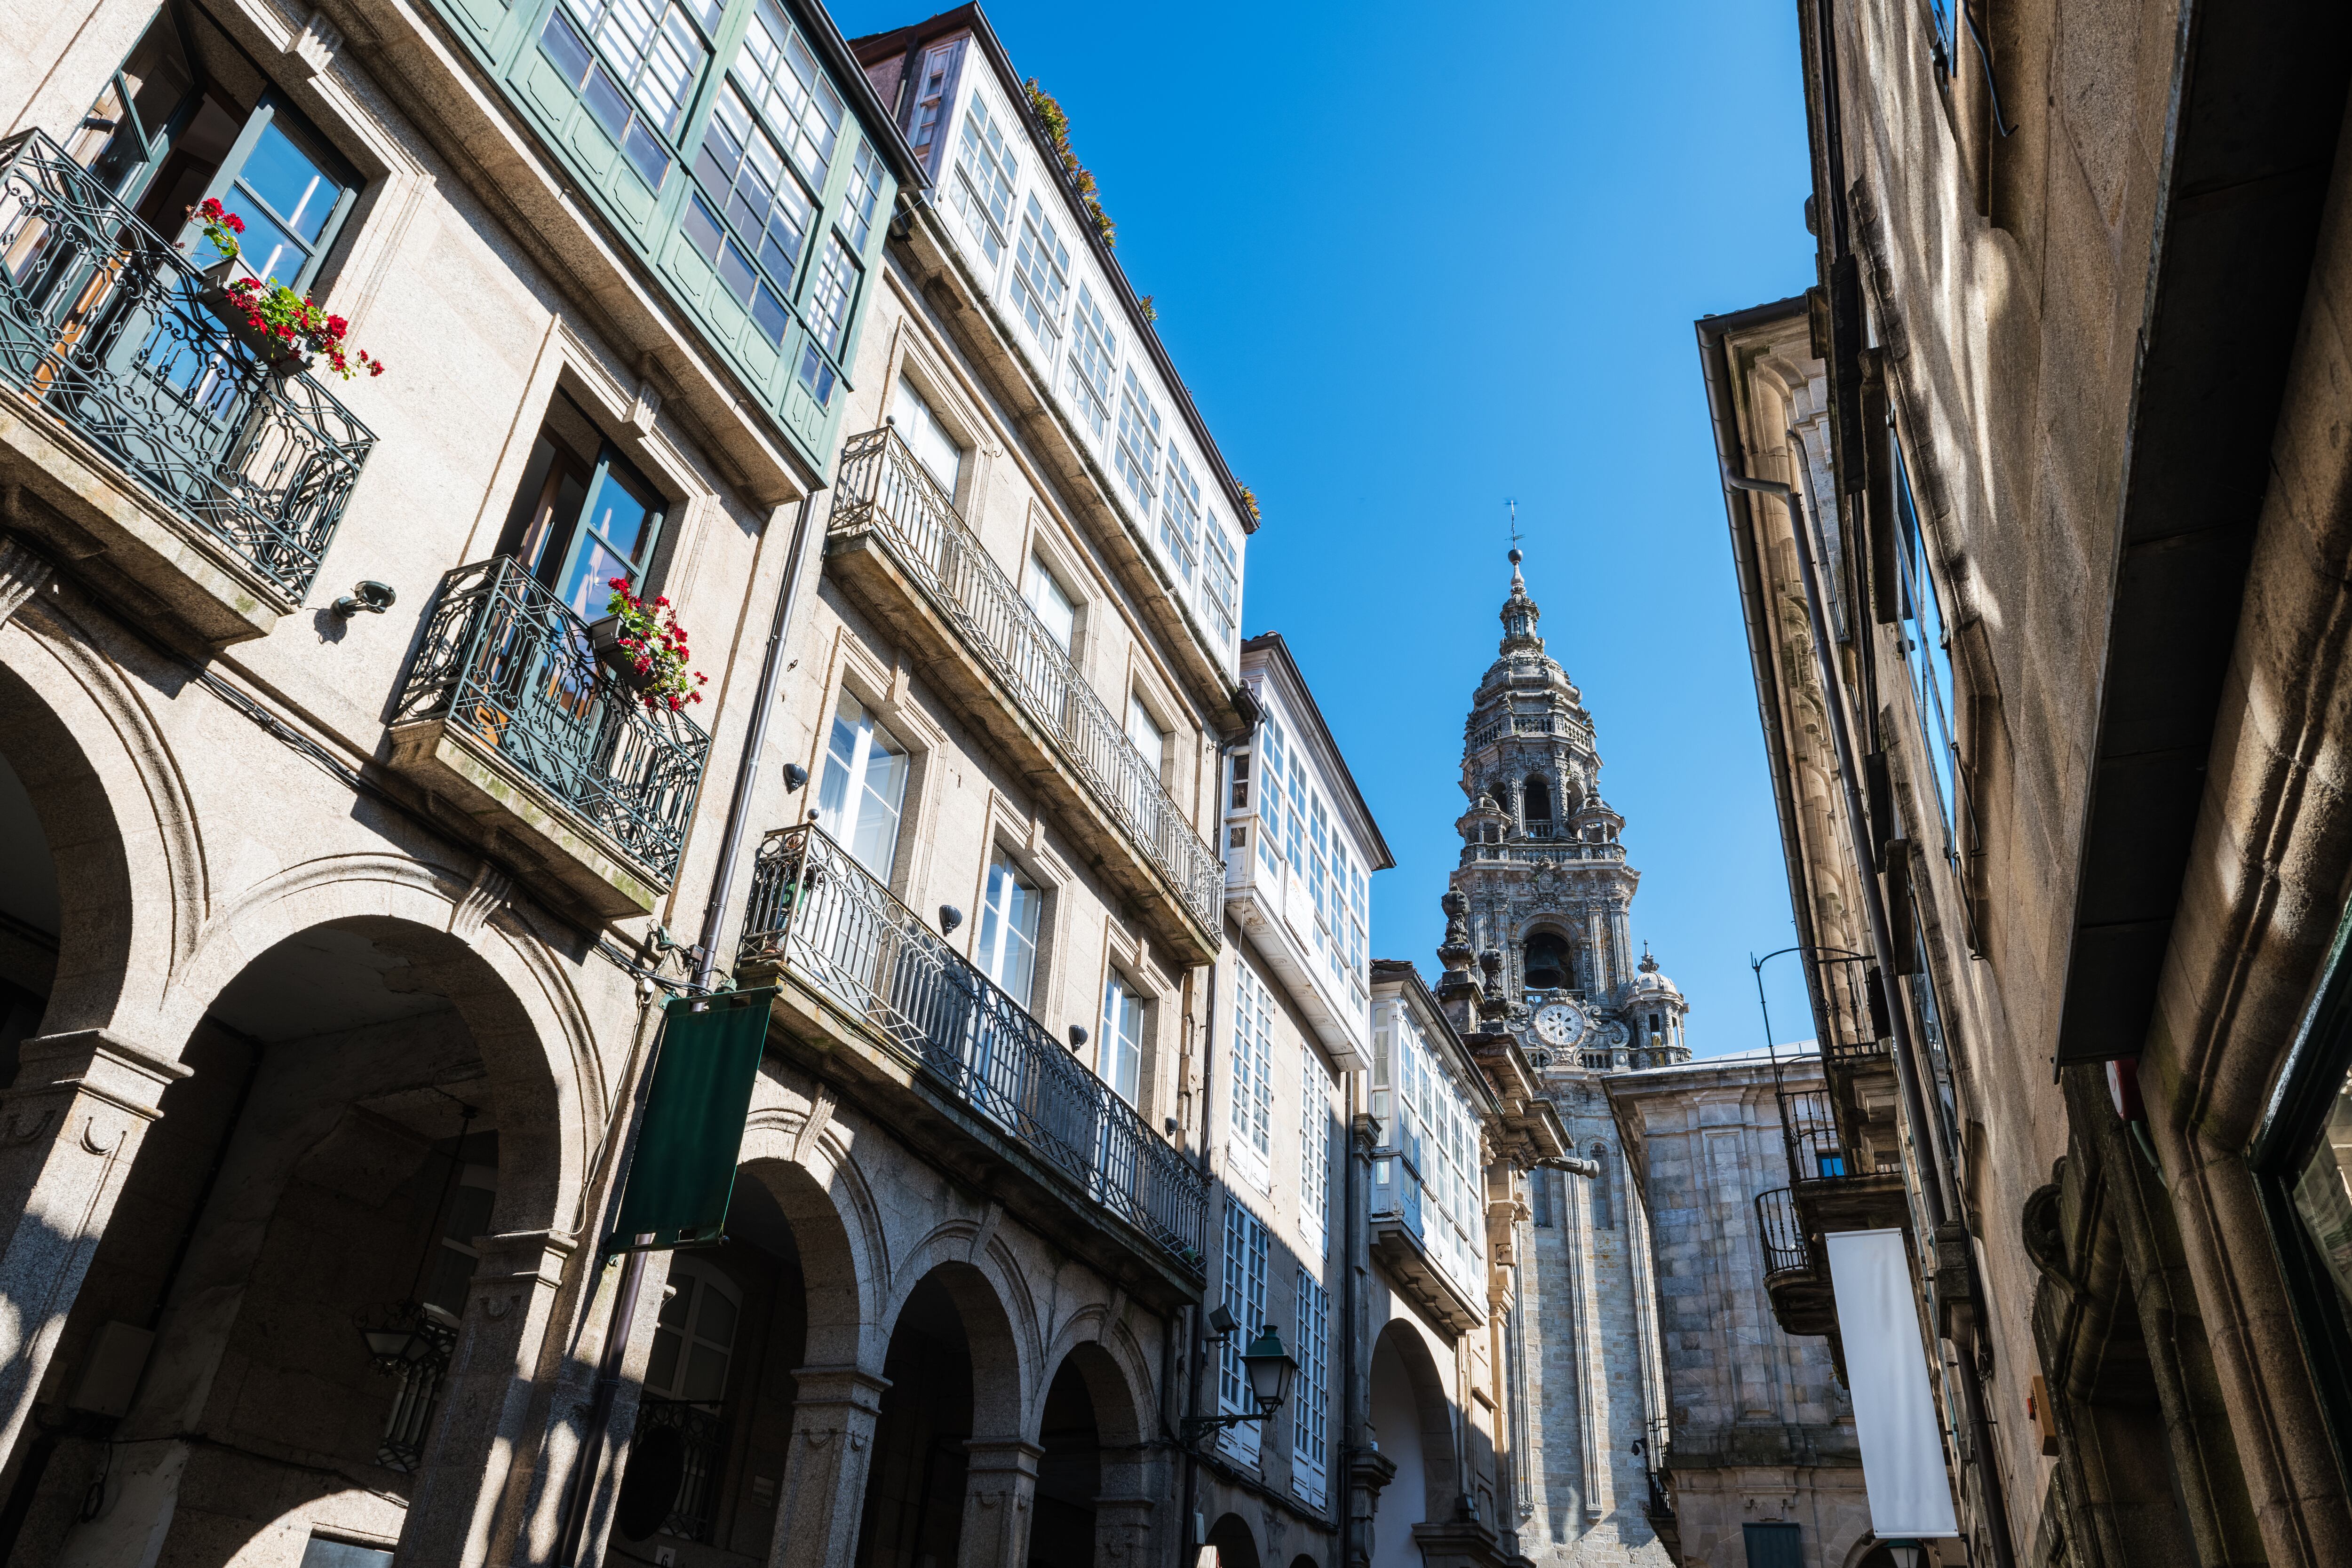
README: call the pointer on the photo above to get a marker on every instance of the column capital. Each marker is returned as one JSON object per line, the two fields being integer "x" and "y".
{"x": 823, "y": 1387}
{"x": 98, "y": 1063}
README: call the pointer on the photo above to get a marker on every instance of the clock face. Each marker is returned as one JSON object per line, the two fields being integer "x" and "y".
{"x": 1559, "y": 1022}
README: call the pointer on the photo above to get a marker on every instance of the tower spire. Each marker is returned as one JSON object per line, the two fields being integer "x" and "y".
{"x": 1519, "y": 612}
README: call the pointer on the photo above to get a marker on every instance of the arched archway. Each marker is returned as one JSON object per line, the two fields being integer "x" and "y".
{"x": 1236, "y": 1546}
{"x": 1537, "y": 801}
{"x": 367, "y": 1112}
{"x": 1094, "y": 1500}
{"x": 950, "y": 1457}
{"x": 1411, "y": 1424}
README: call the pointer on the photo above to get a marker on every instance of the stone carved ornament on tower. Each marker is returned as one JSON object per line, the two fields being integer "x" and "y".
{"x": 1542, "y": 887}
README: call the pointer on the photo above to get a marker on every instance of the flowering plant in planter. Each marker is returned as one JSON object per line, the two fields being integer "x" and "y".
{"x": 654, "y": 644}
{"x": 221, "y": 226}
{"x": 298, "y": 326}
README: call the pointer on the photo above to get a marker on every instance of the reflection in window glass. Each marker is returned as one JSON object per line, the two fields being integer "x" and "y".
{"x": 829, "y": 297}
{"x": 1122, "y": 1038}
{"x": 984, "y": 179}
{"x": 2323, "y": 1195}
{"x": 859, "y": 203}
{"x": 285, "y": 199}
{"x": 652, "y": 55}
{"x": 1926, "y": 652}
{"x": 1008, "y": 929}
{"x": 1094, "y": 354}
{"x": 780, "y": 77}
{"x": 1138, "y": 441}
{"x": 1054, "y": 606}
{"x": 1041, "y": 278}
{"x": 864, "y": 787}
{"x": 694, "y": 1339}
{"x": 919, "y": 426}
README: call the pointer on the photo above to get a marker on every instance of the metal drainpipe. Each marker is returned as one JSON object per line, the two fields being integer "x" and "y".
{"x": 755, "y": 741}
{"x": 1933, "y": 1191}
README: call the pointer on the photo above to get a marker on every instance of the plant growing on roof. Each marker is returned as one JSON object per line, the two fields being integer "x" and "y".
{"x": 1249, "y": 499}
{"x": 1056, "y": 123}
{"x": 653, "y": 643}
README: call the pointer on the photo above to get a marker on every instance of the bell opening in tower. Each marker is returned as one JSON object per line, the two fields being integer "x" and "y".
{"x": 1538, "y": 805}
{"x": 1546, "y": 966}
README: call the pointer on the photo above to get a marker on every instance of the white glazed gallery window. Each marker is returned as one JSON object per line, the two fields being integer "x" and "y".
{"x": 1137, "y": 459}
{"x": 1253, "y": 1097}
{"x": 1310, "y": 1414}
{"x": 1314, "y": 1154}
{"x": 984, "y": 179}
{"x": 1179, "y": 517}
{"x": 1271, "y": 767}
{"x": 1008, "y": 929}
{"x": 1041, "y": 278}
{"x": 1244, "y": 1296}
{"x": 1221, "y": 583}
{"x": 1121, "y": 1053}
{"x": 1052, "y": 603}
{"x": 864, "y": 789}
{"x": 919, "y": 426}
{"x": 1094, "y": 360}
{"x": 694, "y": 1339}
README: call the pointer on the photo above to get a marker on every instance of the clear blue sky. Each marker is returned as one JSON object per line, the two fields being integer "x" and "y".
{"x": 1412, "y": 260}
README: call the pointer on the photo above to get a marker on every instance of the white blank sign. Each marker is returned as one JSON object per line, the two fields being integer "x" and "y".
{"x": 1887, "y": 1369}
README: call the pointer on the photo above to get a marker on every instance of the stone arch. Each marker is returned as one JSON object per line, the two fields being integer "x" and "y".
{"x": 836, "y": 1272}
{"x": 1235, "y": 1543}
{"x": 1002, "y": 1387}
{"x": 116, "y": 817}
{"x": 1433, "y": 1434}
{"x": 525, "y": 1017}
{"x": 1549, "y": 956}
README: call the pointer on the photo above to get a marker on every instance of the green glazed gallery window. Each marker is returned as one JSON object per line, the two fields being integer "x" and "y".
{"x": 638, "y": 76}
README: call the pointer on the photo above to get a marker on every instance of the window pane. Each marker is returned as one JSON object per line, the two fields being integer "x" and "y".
{"x": 1138, "y": 441}
{"x": 865, "y": 784}
{"x": 864, "y": 197}
{"x": 984, "y": 179}
{"x": 2322, "y": 1197}
{"x": 919, "y": 425}
{"x": 1122, "y": 1032}
{"x": 1053, "y": 606}
{"x": 781, "y": 79}
{"x": 765, "y": 203}
{"x": 1008, "y": 930}
{"x": 1094, "y": 353}
{"x": 1040, "y": 276}
{"x": 830, "y": 294}
{"x": 1179, "y": 517}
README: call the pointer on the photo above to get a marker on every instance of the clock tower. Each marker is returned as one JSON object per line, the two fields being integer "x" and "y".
{"x": 1543, "y": 883}
{"x": 1539, "y": 945}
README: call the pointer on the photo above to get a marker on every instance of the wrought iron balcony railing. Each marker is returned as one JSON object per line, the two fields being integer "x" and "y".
{"x": 1782, "y": 1234}
{"x": 698, "y": 1435}
{"x": 820, "y": 915}
{"x": 105, "y": 324}
{"x": 508, "y": 663}
{"x": 883, "y": 491}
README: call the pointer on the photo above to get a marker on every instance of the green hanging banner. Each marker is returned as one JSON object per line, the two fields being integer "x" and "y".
{"x": 683, "y": 1172}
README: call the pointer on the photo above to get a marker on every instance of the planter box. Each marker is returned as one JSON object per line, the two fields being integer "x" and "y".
{"x": 273, "y": 353}
{"x": 606, "y": 637}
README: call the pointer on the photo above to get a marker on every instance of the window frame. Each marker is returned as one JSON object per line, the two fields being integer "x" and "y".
{"x": 997, "y": 931}
{"x": 1246, "y": 1247}
{"x": 856, "y": 773}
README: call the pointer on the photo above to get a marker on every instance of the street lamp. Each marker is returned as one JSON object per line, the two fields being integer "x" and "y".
{"x": 1904, "y": 1552}
{"x": 1269, "y": 1368}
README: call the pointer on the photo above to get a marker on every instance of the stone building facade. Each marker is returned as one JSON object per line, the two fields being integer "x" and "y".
{"x": 346, "y": 877}
{"x": 2036, "y": 505}
{"x": 1756, "y": 1444}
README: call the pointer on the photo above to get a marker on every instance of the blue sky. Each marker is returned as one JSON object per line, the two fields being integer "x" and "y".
{"x": 1412, "y": 261}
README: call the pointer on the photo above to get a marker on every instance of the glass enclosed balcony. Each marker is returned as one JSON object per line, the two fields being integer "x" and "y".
{"x": 821, "y": 918}
{"x": 108, "y": 330}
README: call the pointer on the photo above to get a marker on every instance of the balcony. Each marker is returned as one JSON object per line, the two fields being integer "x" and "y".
{"x": 1515, "y": 723}
{"x": 1836, "y": 1182}
{"x": 898, "y": 548}
{"x": 938, "y": 1052}
{"x": 508, "y": 716}
{"x": 1796, "y": 1272}
{"x": 116, "y": 368}
{"x": 1411, "y": 1251}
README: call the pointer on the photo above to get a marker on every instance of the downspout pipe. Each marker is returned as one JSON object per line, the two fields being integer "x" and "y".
{"x": 755, "y": 745}
{"x": 1934, "y": 1192}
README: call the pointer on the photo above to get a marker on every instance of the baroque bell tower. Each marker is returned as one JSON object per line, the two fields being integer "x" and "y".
{"x": 1542, "y": 885}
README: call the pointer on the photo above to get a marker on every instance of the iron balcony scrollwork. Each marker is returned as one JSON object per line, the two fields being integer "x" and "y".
{"x": 815, "y": 912}
{"x": 505, "y": 662}
{"x": 104, "y": 324}
{"x": 699, "y": 1434}
{"x": 883, "y": 491}
{"x": 1786, "y": 1249}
